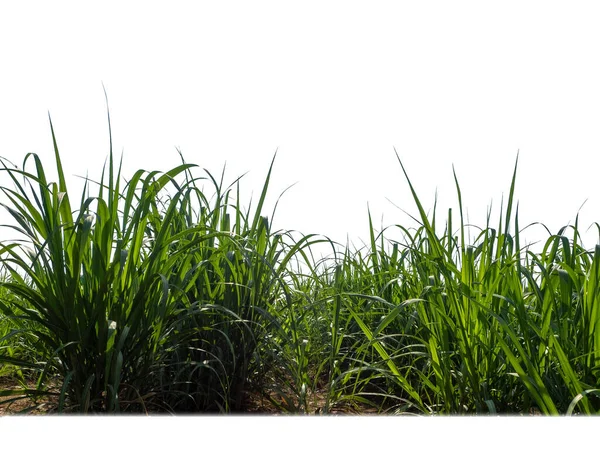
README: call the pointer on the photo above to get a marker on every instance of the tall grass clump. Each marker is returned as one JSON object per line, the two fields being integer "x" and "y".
{"x": 456, "y": 326}
{"x": 87, "y": 278}
{"x": 163, "y": 293}
{"x": 150, "y": 295}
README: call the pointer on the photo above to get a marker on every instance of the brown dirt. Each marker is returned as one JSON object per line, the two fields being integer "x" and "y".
{"x": 25, "y": 405}
{"x": 255, "y": 403}
{"x": 265, "y": 403}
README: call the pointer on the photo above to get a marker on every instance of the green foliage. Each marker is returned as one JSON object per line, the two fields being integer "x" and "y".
{"x": 152, "y": 295}
{"x": 149, "y": 296}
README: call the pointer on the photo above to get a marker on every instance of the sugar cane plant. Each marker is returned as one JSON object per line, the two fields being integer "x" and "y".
{"x": 140, "y": 297}
{"x": 165, "y": 293}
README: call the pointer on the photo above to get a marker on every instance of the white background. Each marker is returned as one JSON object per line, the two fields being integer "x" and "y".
{"x": 334, "y": 86}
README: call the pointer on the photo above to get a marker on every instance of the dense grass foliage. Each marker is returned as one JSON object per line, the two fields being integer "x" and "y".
{"x": 163, "y": 293}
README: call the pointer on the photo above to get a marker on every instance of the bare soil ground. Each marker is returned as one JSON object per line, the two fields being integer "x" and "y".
{"x": 254, "y": 403}
{"x": 24, "y": 405}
